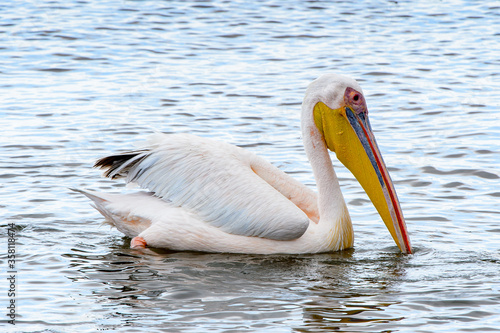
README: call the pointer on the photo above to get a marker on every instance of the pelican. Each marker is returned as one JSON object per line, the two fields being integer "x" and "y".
{"x": 209, "y": 196}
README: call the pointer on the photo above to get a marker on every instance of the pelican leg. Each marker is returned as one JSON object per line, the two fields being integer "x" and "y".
{"x": 138, "y": 243}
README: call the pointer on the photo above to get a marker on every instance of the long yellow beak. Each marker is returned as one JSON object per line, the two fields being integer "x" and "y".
{"x": 348, "y": 133}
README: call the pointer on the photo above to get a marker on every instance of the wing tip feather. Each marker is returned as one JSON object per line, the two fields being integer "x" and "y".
{"x": 118, "y": 165}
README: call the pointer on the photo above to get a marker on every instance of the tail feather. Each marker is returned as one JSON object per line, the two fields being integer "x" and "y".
{"x": 94, "y": 197}
{"x": 117, "y": 211}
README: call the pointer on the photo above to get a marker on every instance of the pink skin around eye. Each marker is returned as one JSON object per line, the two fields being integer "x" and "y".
{"x": 355, "y": 100}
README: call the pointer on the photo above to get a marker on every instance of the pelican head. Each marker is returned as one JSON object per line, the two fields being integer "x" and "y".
{"x": 335, "y": 107}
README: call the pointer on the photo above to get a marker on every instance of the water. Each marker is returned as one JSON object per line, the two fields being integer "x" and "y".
{"x": 81, "y": 79}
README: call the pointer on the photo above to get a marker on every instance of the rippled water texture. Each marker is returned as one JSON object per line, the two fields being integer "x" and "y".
{"x": 81, "y": 79}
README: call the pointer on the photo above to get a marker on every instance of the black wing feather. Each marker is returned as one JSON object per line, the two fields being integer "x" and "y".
{"x": 118, "y": 166}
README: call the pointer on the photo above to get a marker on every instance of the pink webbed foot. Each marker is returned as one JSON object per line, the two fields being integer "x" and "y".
{"x": 138, "y": 243}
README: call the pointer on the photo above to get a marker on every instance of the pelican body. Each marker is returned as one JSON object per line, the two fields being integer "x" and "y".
{"x": 209, "y": 196}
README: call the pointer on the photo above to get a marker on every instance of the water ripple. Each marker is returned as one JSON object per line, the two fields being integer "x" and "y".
{"x": 83, "y": 79}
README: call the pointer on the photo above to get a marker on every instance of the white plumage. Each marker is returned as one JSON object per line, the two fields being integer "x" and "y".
{"x": 210, "y": 196}
{"x": 220, "y": 182}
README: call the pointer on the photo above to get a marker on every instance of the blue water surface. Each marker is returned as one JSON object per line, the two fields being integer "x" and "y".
{"x": 82, "y": 79}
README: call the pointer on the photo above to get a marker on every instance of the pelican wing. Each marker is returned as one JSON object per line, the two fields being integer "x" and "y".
{"x": 224, "y": 185}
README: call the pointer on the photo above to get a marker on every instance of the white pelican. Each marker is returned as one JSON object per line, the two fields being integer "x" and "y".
{"x": 210, "y": 196}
